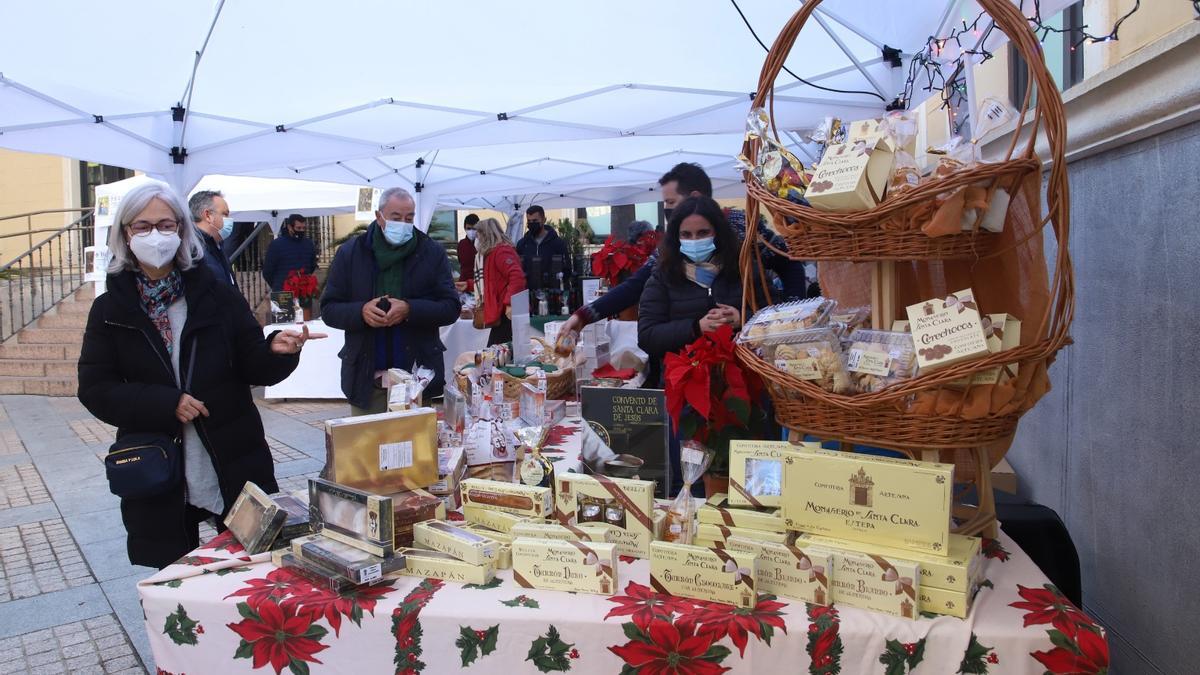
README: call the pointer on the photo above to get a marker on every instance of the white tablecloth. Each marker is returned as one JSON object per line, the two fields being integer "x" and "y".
{"x": 319, "y": 372}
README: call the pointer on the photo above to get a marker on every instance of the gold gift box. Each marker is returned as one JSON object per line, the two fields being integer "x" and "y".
{"x": 879, "y": 500}
{"x": 495, "y": 520}
{"x": 756, "y": 472}
{"x": 887, "y": 585}
{"x": 799, "y": 573}
{"x": 947, "y": 330}
{"x": 710, "y": 532}
{"x": 503, "y": 542}
{"x": 955, "y": 571}
{"x": 383, "y": 453}
{"x": 467, "y": 546}
{"x": 717, "y": 511}
{"x": 949, "y": 603}
{"x": 624, "y": 503}
{"x": 587, "y": 567}
{"x": 597, "y": 532}
{"x": 437, "y": 565}
{"x": 515, "y": 498}
{"x": 704, "y": 573}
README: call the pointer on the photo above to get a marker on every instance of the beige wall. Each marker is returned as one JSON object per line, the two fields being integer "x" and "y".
{"x": 29, "y": 183}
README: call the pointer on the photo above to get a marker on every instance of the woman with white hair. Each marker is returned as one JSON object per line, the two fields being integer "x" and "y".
{"x": 169, "y": 356}
{"x": 498, "y": 276}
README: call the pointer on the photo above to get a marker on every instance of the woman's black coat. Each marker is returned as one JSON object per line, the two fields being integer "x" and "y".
{"x": 126, "y": 379}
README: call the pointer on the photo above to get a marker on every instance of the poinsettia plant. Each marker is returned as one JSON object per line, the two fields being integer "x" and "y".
{"x": 302, "y": 286}
{"x": 710, "y": 395}
{"x": 619, "y": 258}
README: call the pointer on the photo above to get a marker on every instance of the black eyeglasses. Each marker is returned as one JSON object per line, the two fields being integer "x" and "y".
{"x": 141, "y": 227}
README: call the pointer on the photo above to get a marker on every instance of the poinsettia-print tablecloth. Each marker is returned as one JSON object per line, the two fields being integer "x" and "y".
{"x": 218, "y": 611}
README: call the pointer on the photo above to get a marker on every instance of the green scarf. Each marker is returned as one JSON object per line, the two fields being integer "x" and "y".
{"x": 391, "y": 261}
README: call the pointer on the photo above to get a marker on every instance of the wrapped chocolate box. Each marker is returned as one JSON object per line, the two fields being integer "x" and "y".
{"x": 383, "y": 453}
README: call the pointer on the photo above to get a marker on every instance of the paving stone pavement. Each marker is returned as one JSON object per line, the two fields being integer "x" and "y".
{"x": 68, "y": 595}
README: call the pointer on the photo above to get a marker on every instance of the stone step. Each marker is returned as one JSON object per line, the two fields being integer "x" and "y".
{"x": 86, "y": 293}
{"x": 40, "y": 386}
{"x": 34, "y": 368}
{"x": 51, "y": 336}
{"x": 74, "y": 307}
{"x": 75, "y": 321}
{"x": 12, "y": 350}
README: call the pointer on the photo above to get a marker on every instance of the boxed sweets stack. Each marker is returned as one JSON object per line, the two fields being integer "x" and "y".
{"x": 411, "y": 507}
{"x": 349, "y": 562}
{"x": 355, "y": 517}
{"x": 626, "y": 504}
{"x": 795, "y": 571}
{"x": 383, "y": 453}
{"x": 719, "y": 520}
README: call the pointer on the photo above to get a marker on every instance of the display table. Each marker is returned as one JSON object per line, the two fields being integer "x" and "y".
{"x": 459, "y": 337}
{"x": 318, "y": 375}
{"x": 216, "y": 611}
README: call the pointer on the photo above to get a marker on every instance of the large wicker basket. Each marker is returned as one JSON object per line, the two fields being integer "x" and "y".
{"x": 927, "y": 412}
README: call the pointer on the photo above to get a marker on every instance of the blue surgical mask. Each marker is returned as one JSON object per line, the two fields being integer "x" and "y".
{"x": 397, "y": 232}
{"x": 698, "y": 250}
{"x": 226, "y": 228}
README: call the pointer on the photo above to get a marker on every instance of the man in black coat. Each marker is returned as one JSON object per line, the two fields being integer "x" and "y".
{"x": 292, "y": 250}
{"x": 545, "y": 259}
{"x": 390, "y": 289}
{"x": 210, "y": 212}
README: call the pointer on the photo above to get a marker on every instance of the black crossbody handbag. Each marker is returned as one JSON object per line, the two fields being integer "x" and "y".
{"x": 147, "y": 464}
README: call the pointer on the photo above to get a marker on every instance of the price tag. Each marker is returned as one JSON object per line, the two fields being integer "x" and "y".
{"x": 691, "y": 456}
{"x": 368, "y": 574}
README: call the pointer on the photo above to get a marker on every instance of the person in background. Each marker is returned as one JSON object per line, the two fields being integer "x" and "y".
{"x": 466, "y": 255}
{"x": 498, "y": 277}
{"x": 639, "y": 229}
{"x": 390, "y": 289}
{"x": 170, "y": 350}
{"x": 210, "y": 212}
{"x": 682, "y": 181}
{"x": 544, "y": 256}
{"x": 289, "y": 252}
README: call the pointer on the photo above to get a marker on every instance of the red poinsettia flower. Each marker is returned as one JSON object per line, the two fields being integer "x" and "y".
{"x": 278, "y": 584}
{"x": 1091, "y": 659}
{"x": 302, "y": 286}
{"x": 719, "y": 620}
{"x": 1047, "y": 605}
{"x": 643, "y": 605}
{"x": 280, "y": 636}
{"x": 671, "y": 651}
{"x": 618, "y": 257}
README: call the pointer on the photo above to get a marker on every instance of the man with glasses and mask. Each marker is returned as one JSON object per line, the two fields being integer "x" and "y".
{"x": 390, "y": 288}
{"x": 466, "y": 255}
{"x": 545, "y": 259}
{"x": 290, "y": 251}
{"x": 210, "y": 212}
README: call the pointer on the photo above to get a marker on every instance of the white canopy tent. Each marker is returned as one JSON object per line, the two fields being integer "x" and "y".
{"x": 186, "y": 89}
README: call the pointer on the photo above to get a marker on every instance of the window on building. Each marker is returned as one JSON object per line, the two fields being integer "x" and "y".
{"x": 1063, "y": 59}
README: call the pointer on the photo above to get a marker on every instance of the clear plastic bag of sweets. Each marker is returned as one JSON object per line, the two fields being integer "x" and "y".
{"x": 680, "y": 525}
{"x": 879, "y": 358}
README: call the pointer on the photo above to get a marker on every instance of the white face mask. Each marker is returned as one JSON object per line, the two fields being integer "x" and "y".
{"x": 471, "y": 235}
{"x": 155, "y": 249}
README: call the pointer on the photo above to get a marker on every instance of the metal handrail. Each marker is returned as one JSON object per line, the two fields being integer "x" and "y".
{"x": 44, "y": 275}
{"x": 46, "y": 211}
{"x": 29, "y": 231}
{"x": 33, "y": 247}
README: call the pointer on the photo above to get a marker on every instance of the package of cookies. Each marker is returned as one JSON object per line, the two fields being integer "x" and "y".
{"x": 772, "y": 325}
{"x": 844, "y": 321}
{"x": 879, "y": 358}
{"x": 814, "y": 355}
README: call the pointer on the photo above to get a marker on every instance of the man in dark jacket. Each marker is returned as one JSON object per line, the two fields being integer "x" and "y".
{"x": 466, "y": 255}
{"x": 390, "y": 289}
{"x": 210, "y": 212}
{"x": 545, "y": 258}
{"x": 290, "y": 251}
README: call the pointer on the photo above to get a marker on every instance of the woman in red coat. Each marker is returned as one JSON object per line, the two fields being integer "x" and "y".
{"x": 498, "y": 275}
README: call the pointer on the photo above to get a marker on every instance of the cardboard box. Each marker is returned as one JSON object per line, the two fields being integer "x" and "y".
{"x": 597, "y": 532}
{"x": 887, "y": 585}
{"x": 717, "y": 511}
{"x": 947, "y": 330}
{"x": 297, "y": 522}
{"x": 410, "y": 508}
{"x": 495, "y": 520}
{"x": 624, "y": 503}
{"x": 799, "y": 573}
{"x": 351, "y": 516}
{"x": 704, "y": 573}
{"x": 575, "y": 566}
{"x": 1003, "y": 333}
{"x": 489, "y": 442}
{"x": 255, "y": 519}
{"x": 956, "y": 571}
{"x": 437, "y": 565}
{"x": 465, "y": 545}
{"x": 515, "y": 498}
{"x": 852, "y": 176}
{"x": 316, "y": 575}
{"x": 948, "y": 603}
{"x": 452, "y": 467}
{"x": 756, "y": 472}
{"x": 503, "y": 542}
{"x": 383, "y": 453}
{"x": 350, "y": 562}
{"x": 711, "y": 532}
{"x": 879, "y": 500}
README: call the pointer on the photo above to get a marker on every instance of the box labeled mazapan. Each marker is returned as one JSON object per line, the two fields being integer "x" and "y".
{"x": 756, "y": 472}
{"x": 710, "y": 532}
{"x": 947, "y": 330}
{"x": 437, "y": 565}
{"x": 515, "y": 498}
{"x": 948, "y": 603}
{"x": 467, "y": 546}
{"x": 718, "y": 512}
{"x": 789, "y": 571}
{"x": 578, "y": 566}
{"x": 503, "y": 542}
{"x": 597, "y": 532}
{"x": 626, "y": 504}
{"x": 495, "y": 520}
{"x": 703, "y": 573}
{"x": 956, "y": 571}
{"x": 383, "y": 453}
{"x": 891, "y": 502}
{"x": 887, "y": 585}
